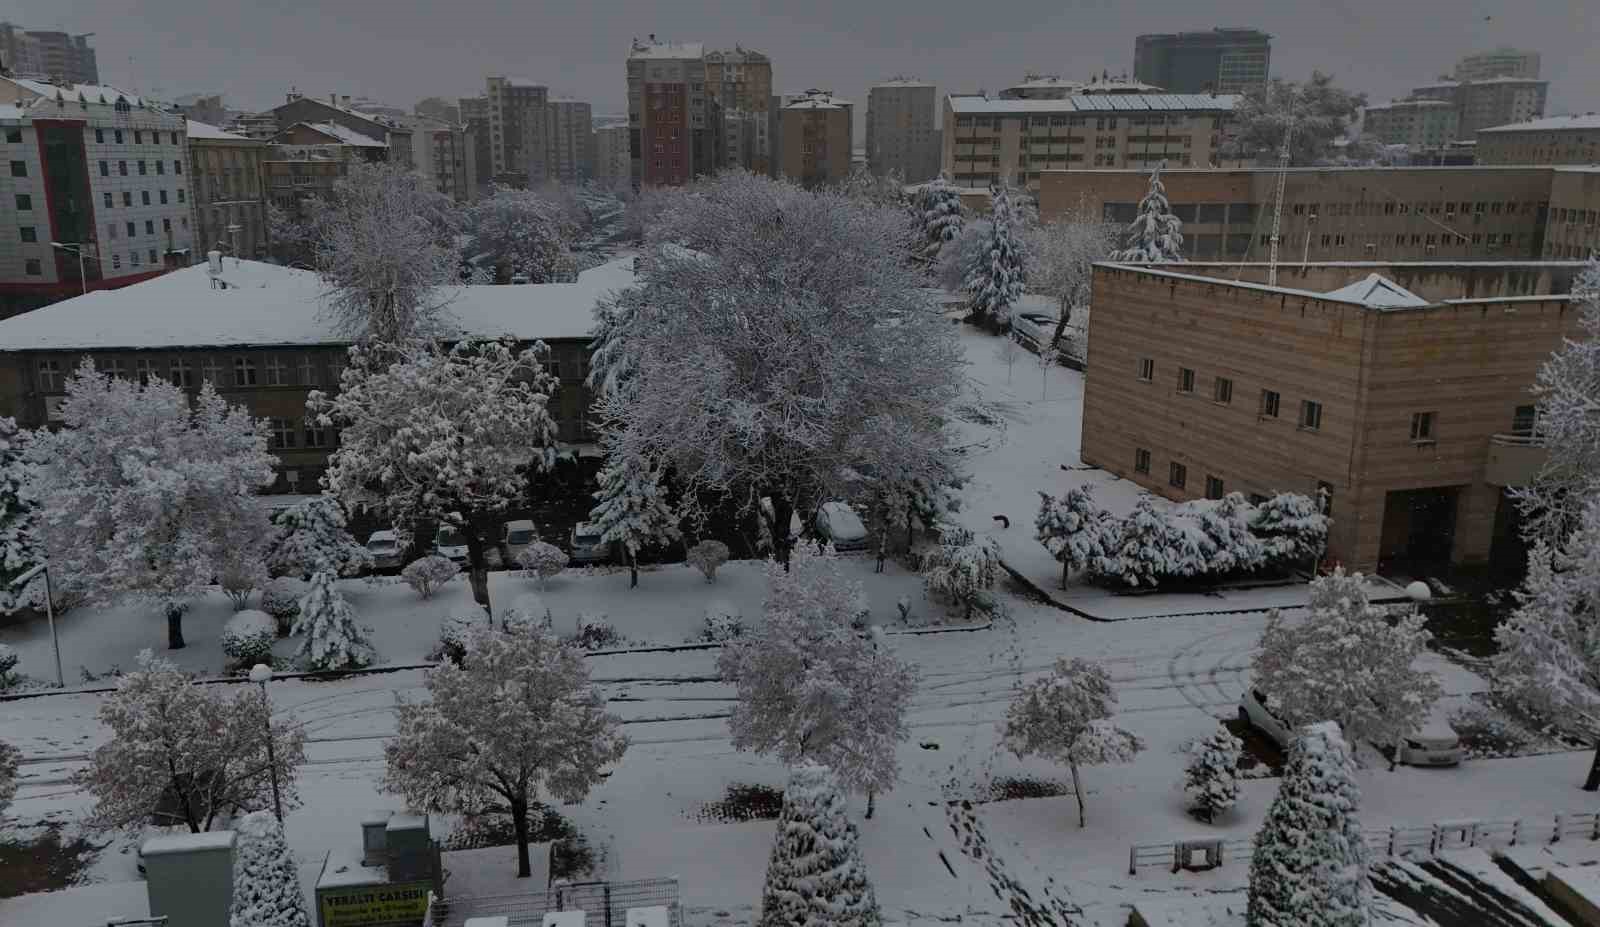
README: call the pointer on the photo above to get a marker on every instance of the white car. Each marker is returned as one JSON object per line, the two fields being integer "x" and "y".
{"x": 451, "y": 543}
{"x": 384, "y": 546}
{"x": 587, "y": 546}
{"x": 838, "y": 524}
{"x": 1437, "y": 744}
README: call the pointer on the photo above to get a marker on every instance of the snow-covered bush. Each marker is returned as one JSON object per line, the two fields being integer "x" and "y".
{"x": 815, "y": 874}
{"x": 595, "y": 633}
{"x": 1292, "y": 528}
{"x": 281, "y": 599}
{"x": 453, "y": 633}
{"x": 723, "y": 622}
{"x": 9, "y": 758}
{"x": 266, "y": 881}
{"x": 543, "y": 560}
{"x": 963, "y": 567}
{"x": 9, "y": 676}
{"x": 18, "y": 551}
{"x": 313, "y": 536}
{"x": 526, "y": 613}
{"x": 1211, "y": 777}
{"x": 1072, "y": 528}
{"x": 241, "y": 574}
{"x": 706, "y": 556}
{"x": 247, "y": 638}
{"x": 334, "y": 640}
{"x": 427, "y": 574}
{"x": 1226, "y": 525}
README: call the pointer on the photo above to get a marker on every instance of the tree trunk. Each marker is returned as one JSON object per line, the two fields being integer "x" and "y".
{"x": 1077, "y": 789}
{"x": 1061, "y": 326}
{"x": 175, "y": 627}
{"x": 1064, "y": 569}
{"x": 633, "y": 570}
{"x": 1592, "y": 784}
{"x": 782, "y": 514}
{"x": 477, "y": 564}
{"x": 871, "y": 801}
{"x": 519, "y": 819}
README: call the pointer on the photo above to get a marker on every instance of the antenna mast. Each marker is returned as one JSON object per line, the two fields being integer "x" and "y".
{"x": 1277, "y": 206}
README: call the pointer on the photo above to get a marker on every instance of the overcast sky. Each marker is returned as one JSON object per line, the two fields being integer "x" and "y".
{"x": 400, "y": 51}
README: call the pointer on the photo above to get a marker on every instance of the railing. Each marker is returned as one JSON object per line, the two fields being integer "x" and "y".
{"x": 605, "y": 904}
{"x": 1399, "y": 840}
{"x": 1516, "y": 440}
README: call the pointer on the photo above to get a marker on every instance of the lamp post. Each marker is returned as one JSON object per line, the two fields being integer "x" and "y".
{"x": 261, "y": 674}
{"x": 49, "y": 611}
{"x": 76, "y": 248}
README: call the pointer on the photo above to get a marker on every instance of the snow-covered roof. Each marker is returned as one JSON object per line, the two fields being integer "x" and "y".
{"x": 185, "y": 843}
{"x": 10, "y": 111}
{"x": 522, "y": 82}
{"x": 1583, "y": 121}
{"x": 667, "y": 50}
{"x": 270, "y": 305}
{"x": 818, "y": 102}
{"x": 91, "y": 92}
{"x": 1378, "y": 292}
{"x": 202, "y": 130}
{"x": 344, "y": 134}
{"x": 1407, "y": 104}
{"x": 1335, "y": 296}
{"x": 1452, "y": 82}
{"x": 903, "y": 82}
{"x": 1096, "y": 103}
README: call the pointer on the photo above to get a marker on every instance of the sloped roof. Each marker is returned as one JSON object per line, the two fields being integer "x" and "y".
{"x": 202, "y": 130}
{"x": 668, "y": 50}
{"x": 91, "y": 92}
{"x": 343, "y": 134}
{"x": 1378, "y": 292}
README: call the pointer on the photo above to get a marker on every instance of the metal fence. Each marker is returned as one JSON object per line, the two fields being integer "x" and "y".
{"x": 1398, "y": 840}
{"x": 604, "y": 904}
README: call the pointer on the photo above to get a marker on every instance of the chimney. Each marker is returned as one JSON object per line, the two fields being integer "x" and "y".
{"x": 345, "y": 101}
{"x": 333, "y": 99}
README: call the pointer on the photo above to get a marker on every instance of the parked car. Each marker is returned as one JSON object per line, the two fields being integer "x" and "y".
{"x": 517, "y": 536}
{"x": 384, "y": 546}
{"x": 1253, "y": 707}
{"x": 450, "y": 542}
{"x": 1034, "y": 329}
{"x": 1437, "y": 744}
{"x": 587, "y": 546}
{"x": 838, "y": 523}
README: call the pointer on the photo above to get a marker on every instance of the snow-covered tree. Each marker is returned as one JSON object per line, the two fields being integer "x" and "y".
{"x": 1567, "y": 422}
{"x": 963, "y": 567}
{"x": 1292, "y": 529}
{"x": 940, "y": 214}
{"x": 9, "y": 758}
{"x": 266, "y": 881}
{"x": 180, "y": 754}
{"x": 1060, "y": 261}
{"x": 962, "y": 253}
{"x": 813, "y": 685}
{"x": 707, "y": 557}
{"x": 384, "y": 247}
{"x": 248, "y": 637}
{"x": 334, "y": 638}
{"x": 998, "y": 277}
{"x": 774, "y": 334}
{"x": 1136, "y": 551}
{"x": 524, "y": 232}
{"x": 543, "y": 560}
{"x": 17, "y": 554}
{"x": 427, "y": 575}
{"x": 1549, "y": 659}
{"x": 1073, "y": 529}
{"x": 519, "y": 720}
{"x": 242, "y": 571}
{"x": 1008, "y": 352}
{"x": 1350, "y": 662}
{"x": 886, "y": 190}
{"x": 1309, "y": 868}
{"x": 1155, "y": 234}
{"x": 313, "y": 537}
{"x": 1211, "y": 777}
{"x": 439, "y": 433}
{"x": 631, "y": 510}
{"x": 1065, "y": 716}
{"x": 1233, "y": 547}
{"x": 1046, "y": 359}
{"x": 815, "y": 875}
{"x": 290, "y": 234}
{"x": 144, "y": 491}
{"x": 1318, "y": 112}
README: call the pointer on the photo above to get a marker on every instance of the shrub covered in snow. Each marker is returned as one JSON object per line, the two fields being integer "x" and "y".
{"x": 427, "y": 574}
{"x": 266, "y": 881}
{"x": 963, "y": 567}
{"x": 1073, "y": 529}
{"x": 1211, "y": 778}
{"x": 815, "y": 874}
{"x": 247, "y": 638}
{"x": 595, "y": 633}
{"x": 281, "y": 599}
{"x": 543, "y": 560}
{"x": 453, "y": 632}
{"x": 9, "y": 758}
{"x": 706, "y": 556}
{"x": 334, "y": 639}
{"x": 9, "y": 676}
{"x": 1292, "y": 528}
{"x": 527, "y": 612}
{"x": 723, "y": 622}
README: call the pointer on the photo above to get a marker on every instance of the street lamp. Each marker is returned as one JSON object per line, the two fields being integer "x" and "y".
{"x": 261, "y": 674}
{"x": 49, "y": 611}
{"x": 77, "y": 248}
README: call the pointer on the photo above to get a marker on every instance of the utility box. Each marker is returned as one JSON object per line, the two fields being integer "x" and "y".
{"x": 189, "y": 878}
{"x": 409, "y": 849}
{"x": 374, "y": 839}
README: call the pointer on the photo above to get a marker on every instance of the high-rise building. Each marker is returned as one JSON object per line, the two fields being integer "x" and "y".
{"x": 611, "y": 161}
{"x": 475, "y": 113}
{"x": 517, "y": 112}
{"x": 227, "y": 201}
{"x": 676, "y": 123}
{"x": 1492, "y": 101}
{"x": 1218, "y": 61}
{"x": 202, "y": 107}
{"x": 741, "y": 82}
{"x": 1413, "y": 123}
{"x": 568, "y": 145}
{"x": 900, "y": 133}
{"x": 440, "y": 152}
{"x": 54, "y": 55}
{"x": 1498, "y": 62}
{"x": 818, "y": 138}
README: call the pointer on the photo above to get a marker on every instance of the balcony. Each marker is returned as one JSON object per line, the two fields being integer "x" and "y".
{"x": 1514, "y": 460}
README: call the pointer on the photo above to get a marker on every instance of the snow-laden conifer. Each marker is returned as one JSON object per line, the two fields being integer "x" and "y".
{"x": 266, "y": 881}
{"x": 815, "y": 875}
{"x": 17, "y": 553}
{"x": 631, "y": 510}
{"x": 334, "y": 638}
{"x": 1155, "y": 233}
{"x": 941, "y": 215}
{"x": 1073, "y": 529}
{"x": 313, "y": 537}
{"x": 998, "y": 277}
{"x": 1211, "y": 775}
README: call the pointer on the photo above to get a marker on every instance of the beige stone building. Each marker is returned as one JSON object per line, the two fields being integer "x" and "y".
{"x": 611, "y": 156}
{"x": 1414, "y": 123}
{"x": 227, "y": 198}
{"x": 818, "y": 129}
{"x": 1503, "y": 61}
{"x": 1491, "y": 101}
{"x": 990, "y": 140}
{"x": 901, "y": 135}
{"x": 740, "y": 80}
{"x": 1413, "y": 414}
{"x": 1551, "y": 140}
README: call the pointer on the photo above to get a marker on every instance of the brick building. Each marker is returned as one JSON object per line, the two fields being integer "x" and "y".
{"x": 817, "y": 133}
{"x": 1412, "y": 413}
{"x": 674, "y": 121}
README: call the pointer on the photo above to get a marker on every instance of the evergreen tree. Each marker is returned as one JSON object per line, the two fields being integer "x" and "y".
{"x": 632, "y": 509}
{"x": 1310, "y": 863}
{"x": 266, "y": 882}
{"x": 816, "y": 876}
{"x": 1156, "y": 234}
{"x": 1073, "y": 529}
{"x": 1138, "y": 555}
{"x": 16, "y": 516}
{"x": 997, "y": 279}
{"x": 9, "y": 757}
{"x": 333, "y": 638}
{"x": 942, "y": 216}
{"x": 1211, "y": 779}
{"x": 313, "y": 537}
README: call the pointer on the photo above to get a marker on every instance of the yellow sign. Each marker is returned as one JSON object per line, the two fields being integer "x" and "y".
{"x": 374, "y": 905}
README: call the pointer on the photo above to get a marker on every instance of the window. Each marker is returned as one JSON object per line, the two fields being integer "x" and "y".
{"x": 1141, "y": 460}
{"x": 1222, "y": 390}
{"x": 1269, "y": 404}
{"x": 183, "y": 373}
{"x": 277, "y": 371}
{"x": 281, "y": 433}
{"x": 133, "y": 258}
{"x": 1310, "y": 415}
{"x": 116, "y": 261}
{"x": 244, "y": 371}
{"x": 1523, "y": 421}
{"x": 132, "y": 229}
{"x": 108, "y": 201}
{"x": 1185, "y": 380}
{"x": 32, "y": 267}
{"x": 163, "y": 197}
{"x": 1178, "y": 475}
{"x": 177, "y": 167}
{"x": 308, "y": 370}
{"x": 180, "y": 194}
{"x": 1147, "y": 369}
{"x": 144, "y": 370}
{"x": 138, "y": 137}
{"x": 211, "y": 371}
{"x": 1422, "y": 427}
{"x": 19, "y": 168}
{"x": 161, "y": 167}
{"x": 142, "y": 170}
{"x": 117, "y": 133}
{"x": 166, "y": 226}
{"x": 152, "y": 257}
{"x": 28, "y": 234}
{"x": 316, "y": 435}
{"x": 1214, "y": 487}
{"x": 144, "y": 197}
{"x": 149, "y": 226}
{"x": 105, "y": 169}
{"x": 127, "y": 198}
{"x": 99, "y": 136}
{"x": 50, "y": 376}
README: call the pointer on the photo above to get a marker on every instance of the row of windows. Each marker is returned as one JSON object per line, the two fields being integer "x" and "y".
{"x": 108, "y": 200}
{"x": 275, "y": 370}
{"x": 1100, "y": 122}
{"x": 288, "y": 433}
{"x": 138, "y": 136}
{"x": 1178, "y": 478}
{"x": 142, "y": 166}
{"x": 149, "y": 227}
{"x": 1222, "y": 393}
{"x": 1436, "y": 207}
{"x": 1575, "y": 216}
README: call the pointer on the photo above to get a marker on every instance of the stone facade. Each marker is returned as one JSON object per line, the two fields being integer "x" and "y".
{"x": 229, "y": 207}
{"x": 817, "y": 134}
{"x": 1552, "y": 140}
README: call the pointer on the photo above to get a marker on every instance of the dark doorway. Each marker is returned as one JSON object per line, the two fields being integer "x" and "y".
{"x": 1508, "y": 552}
{"x": 1419, "y": 528}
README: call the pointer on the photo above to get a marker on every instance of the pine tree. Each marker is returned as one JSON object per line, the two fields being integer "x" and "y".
{"x": 1155, "y": 234}
{"x": 266, "y": 882}
{"x": 17, "y": 555}
{"x": 1292, "y": 528}
{"x": 9, "y": 758}
{"x": 942, "y": 216}
{"x": 334, "y": 640}
{"x": 997, "y": 280}
{"x": 816, "y": 876}
{"x": 1211, "y": 778}
{"x": 1226, "y": 525}
{"x": 632, "y": 510}
{"x": 313, "y": 537}
{"x": 1138, "y": 555}
{"x": 1073, "y": 529}
{"x": 1310, "y": 863}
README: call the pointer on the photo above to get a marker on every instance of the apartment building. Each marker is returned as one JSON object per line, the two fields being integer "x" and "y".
{"x": 1551, "y": 140}
{"x": 1490, "y": 101}
{"x": 1016, "y": 141}
{"x": 517, "y": 112}
{"x": 441, "y": 151}
{"x": 1503, "y": 61}
{"x": 675, "y": 122}
{"x": 339, "y": 111}
{"x": 51, "y": 55}
{"x": 1218, "y": 61}
{"x": 568, "y": 141}
{"x": 259, "y": 126}
{"x": 438, "y": 109}
{"x": 202, "y": 107}
{"x": 611, "y": 161}
{"x": 227, "y": 199}
{"x": 475, "y": 114}
{"x": 817, "y": 137}
{"x": 1412, "y": 414}
{"x": 1416, "y": 124}
{"x": 740, "y": 80}
{"x": 901, "y": 135}
{"x": 305, "y": 160}
{"x": 95, "y": 168}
